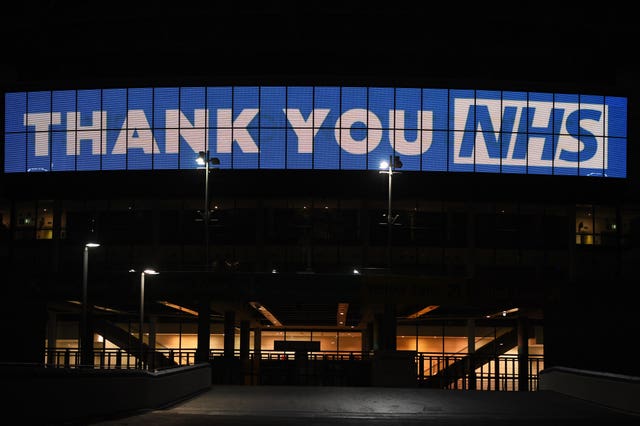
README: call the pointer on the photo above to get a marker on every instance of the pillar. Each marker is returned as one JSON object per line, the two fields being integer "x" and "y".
{"x": 367, "y": 337}
{"x": 389, "y": 366}
{"x": 471, "y": 350}
{"x": 245, "y": 337}
{"x": 257, "y": 343}
{"x": 229, "y": 333}
{"x": 245, "y": 362}
{"x": 151, "y": 357}
{"x": 523, "y": 353}
{"x": 376, "y": 335}
{"x": 257, "y": 355}
{"x": 385, "y": 329}
{"x": 204, "y": 332}
{"x": 153, "y": 321}
{"x": 52, "y": 337}
{"x": 390, "y": 327}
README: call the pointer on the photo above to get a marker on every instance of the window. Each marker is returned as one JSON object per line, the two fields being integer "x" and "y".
{"x": 5, "y": 220}
{"x": 25, "y": 220}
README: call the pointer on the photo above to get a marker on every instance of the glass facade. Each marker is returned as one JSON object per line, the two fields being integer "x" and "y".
{"x": 325, "y": 234}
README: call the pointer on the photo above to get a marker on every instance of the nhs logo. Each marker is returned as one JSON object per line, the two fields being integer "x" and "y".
{"x": 538, "y": 133}
{"x": 530, "y": 134}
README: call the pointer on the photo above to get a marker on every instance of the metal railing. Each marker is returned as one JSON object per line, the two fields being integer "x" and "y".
{"x": 273, "y": 355}
{"x": 438, "y": 370}
{"x": 481, "y": 372}
{"x": 115, "y": 358}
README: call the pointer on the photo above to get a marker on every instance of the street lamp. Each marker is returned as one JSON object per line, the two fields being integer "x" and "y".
{"x": 389, "y": 168}
{"x": 203, "y": 159}
{"x": 86, "y": 332}
{"x": 147, "y": 271}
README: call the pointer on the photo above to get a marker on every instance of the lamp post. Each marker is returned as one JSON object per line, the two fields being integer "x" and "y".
{"x": 389, "y": 168}
{"x": 86, "y": 332}
{"x": 147, "y": 271}
{"x": 203, "y": 159}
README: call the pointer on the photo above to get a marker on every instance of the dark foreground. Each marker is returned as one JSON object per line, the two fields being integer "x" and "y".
{"x": 311, "y": 406}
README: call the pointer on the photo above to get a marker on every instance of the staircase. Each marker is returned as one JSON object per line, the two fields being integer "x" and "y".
{"x": 131, "y": 344}
{"x": 463, "y": 366}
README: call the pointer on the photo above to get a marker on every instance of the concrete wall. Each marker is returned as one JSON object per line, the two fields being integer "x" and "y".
{"x": 612, "y": 390}
{"x": 36, "y": 394}
{"x": 394, "y": 369}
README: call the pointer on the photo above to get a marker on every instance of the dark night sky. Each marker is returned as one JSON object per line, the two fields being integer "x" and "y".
{"x": 537, "y": 46}
{"x": 285, "y": 43}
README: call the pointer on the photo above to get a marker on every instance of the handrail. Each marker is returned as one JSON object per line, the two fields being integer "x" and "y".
{"x": 117, "y": 358}
{"x": 489, "y": 372}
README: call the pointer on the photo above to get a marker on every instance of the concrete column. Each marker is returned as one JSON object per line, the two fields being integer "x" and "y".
{"x": 229, "y": 333}
{"x": 151, "y": 357}
{"x": 245, "y": 336}
{"x": 392, "y": 325}
{"x": 391, "y": 367}
{"x": 367, "y": 338}
{"x": 52, "y": 337}
{"x": 153, "y": 322}
{"x": 386, "y": 329}
{"x": 471, "y": 350}
{"x": 257, "y": 343}
{"x": 257, "y": 354}
{"x": 204, "y": 331}
{"x": 376, "y": 334}
{"x": 523, "y": 353}
{"x": 245, "y": 363}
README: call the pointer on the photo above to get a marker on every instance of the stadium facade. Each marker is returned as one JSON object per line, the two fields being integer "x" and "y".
{"x": 500, "y": 234}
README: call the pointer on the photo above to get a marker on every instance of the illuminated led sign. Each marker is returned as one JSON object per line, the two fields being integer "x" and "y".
{"x": 336, "y": 128}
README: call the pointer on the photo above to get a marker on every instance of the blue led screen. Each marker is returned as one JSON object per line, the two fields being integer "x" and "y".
{"x": 322, "y": 128}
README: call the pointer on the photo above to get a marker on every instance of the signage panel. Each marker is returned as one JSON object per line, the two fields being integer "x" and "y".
{"x": 334, "y": 128}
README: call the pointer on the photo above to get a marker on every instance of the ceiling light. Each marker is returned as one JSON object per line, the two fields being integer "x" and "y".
{"x": 266, "y": 313}
{"x": 342, "y": 312}
{"x": 423, "y": 311}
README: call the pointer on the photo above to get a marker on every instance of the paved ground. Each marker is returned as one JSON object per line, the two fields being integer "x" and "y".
{"x": 315, "y": 406}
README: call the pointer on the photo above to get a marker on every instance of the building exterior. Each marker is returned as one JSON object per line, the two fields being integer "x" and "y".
{"x": 501, "y": 236}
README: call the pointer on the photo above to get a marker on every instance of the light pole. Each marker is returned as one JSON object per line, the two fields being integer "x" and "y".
{"x": 203, "y": 159}
{"x": 86, "y": 332}
{"x": 389, "y": 168}
{"x": 147, "y": 271}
